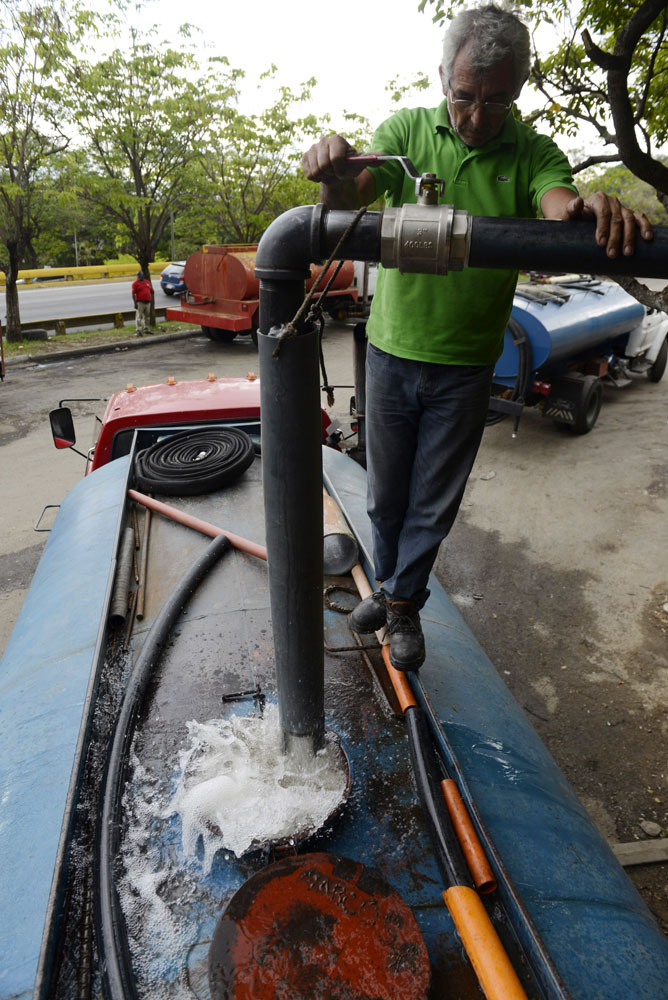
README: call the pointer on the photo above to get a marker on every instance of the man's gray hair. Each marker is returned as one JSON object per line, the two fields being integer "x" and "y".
{"x": 497, "y": 33}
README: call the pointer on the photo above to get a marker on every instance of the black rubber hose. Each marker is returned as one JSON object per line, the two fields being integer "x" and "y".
{"x": 445, "y": 842}
{"x": 194, "y": 462}
{"x": 115, "y": 961}
{"x": 524, "y": 363}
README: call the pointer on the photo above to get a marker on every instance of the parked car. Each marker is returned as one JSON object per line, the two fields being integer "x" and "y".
{"x": 171, "y": 279}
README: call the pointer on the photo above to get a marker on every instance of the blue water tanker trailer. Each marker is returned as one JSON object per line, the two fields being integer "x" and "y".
{"x": 569, "y": 335}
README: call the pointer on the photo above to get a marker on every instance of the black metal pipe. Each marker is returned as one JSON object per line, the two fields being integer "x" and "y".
{"x": 291, "y": 441}
{"x": 309, "y": 234}
{"x": 548, "y": 245}
{"x": 292, "y": 476}
{"x": 280, "y": 298}
{"x": 292, "y": 454}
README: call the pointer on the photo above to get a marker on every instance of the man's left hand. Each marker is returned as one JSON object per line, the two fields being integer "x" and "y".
{"x": 615, "y": 223}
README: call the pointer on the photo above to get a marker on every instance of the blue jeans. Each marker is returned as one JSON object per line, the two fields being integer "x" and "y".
{"x": 424, "y": 423}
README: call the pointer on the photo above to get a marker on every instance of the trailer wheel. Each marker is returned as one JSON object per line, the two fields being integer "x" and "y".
{"x": 655, "y": 373}
{"x": 588, "y": 405}
{"x": 219, "y": 336}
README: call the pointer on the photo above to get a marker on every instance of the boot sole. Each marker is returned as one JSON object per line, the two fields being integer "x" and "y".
{"x": 406, "y": 668}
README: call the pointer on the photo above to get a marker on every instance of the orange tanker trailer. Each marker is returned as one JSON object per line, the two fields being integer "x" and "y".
{"x": 223, "y": 293}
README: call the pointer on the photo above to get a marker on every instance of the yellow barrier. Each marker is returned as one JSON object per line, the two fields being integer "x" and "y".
{"x": 88, "y": 271}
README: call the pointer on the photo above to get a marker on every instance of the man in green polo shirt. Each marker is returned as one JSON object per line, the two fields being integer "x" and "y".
{"x": 434, "y": 340}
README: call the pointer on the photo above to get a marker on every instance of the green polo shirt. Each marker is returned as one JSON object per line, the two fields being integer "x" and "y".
{"x": 459, "y": 318}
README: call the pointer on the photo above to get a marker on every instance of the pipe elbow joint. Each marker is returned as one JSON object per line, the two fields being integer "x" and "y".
{"x": 308, "y": 234}
{"x": 290, "y": 244}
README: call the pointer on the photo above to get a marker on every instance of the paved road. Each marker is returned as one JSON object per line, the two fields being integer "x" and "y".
{"x": 557, "y": 561}
{"x": 58, "y": 300}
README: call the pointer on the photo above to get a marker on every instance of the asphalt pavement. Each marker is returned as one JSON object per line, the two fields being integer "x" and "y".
{"x": 62, "y": 299}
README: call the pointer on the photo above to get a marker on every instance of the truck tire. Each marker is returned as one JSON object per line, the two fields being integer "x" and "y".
{"x": 655, "y": 373}
{"x": 588, "y": 405}
{"x": 219, "y": 336}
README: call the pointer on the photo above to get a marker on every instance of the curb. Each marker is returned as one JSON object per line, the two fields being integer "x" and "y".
{"x": 79, "y": 352}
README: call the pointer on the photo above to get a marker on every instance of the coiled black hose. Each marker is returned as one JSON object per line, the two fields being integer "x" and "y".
{"x": 524, "y": 363}
{"x": 114, "y": 949}
{"x": 194, "y": 462}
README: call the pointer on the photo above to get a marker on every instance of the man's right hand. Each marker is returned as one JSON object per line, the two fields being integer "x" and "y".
{"x": 343, "y": 184}
{"x": 326, "y": 160}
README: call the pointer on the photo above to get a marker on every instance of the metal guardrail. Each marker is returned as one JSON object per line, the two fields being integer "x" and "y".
{"x": 115, "y": 319}
{"x": 86, "y": 271}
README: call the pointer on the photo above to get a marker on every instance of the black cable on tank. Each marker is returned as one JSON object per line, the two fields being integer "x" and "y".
{"x": 522, "y": 379}
{"x": 115, "y": 960}
{"x": 194, "y": 462}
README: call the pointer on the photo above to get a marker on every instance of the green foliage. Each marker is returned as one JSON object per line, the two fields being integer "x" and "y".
{"x": 35, "y": 45}
{"x": 251, "y": 169}
{"x": 145, "y": 112}
{"x": 66, "y": 228}
{"x": 400, "y": 90}
{"x": 631, "y": 190}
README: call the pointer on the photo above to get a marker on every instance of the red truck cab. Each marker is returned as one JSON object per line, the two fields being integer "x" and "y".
{"x": 167, "y": 406}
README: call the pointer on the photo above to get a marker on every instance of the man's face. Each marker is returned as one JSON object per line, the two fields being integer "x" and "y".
{"x": 476, "y": 125}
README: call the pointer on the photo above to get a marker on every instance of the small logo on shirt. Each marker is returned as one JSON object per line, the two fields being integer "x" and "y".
{"x": 502, "y": 179}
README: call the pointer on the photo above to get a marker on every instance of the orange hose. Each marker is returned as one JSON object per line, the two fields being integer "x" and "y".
{"x": 492, "y": 966}
{"x": 468, "y": 838}
{"x": 205, "y": 527}
{"x": 466, "y": 832}
{"x": 402, "y": 688}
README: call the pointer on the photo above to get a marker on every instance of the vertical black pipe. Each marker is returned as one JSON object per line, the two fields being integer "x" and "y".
{"x": 359, "y": 380}
{"x": 292, "y": 476}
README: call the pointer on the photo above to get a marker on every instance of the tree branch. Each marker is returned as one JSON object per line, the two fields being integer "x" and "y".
{"x": 593, "y": 160}
{"x": 650, "y": 299}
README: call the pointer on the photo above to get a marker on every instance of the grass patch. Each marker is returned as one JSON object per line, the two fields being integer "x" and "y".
{"x": 85, "y": 338}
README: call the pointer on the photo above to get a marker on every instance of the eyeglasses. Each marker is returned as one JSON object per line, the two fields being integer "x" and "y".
{"x": 489, "y": 107}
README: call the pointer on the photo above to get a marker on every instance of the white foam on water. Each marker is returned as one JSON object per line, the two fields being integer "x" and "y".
{"x": 237, "y": 789}
{"x": 154, "y": 892}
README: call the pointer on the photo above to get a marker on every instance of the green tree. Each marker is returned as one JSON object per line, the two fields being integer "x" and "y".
{"x": 145, "y": 112}
{"x": 34, "y": 48}
{"x": 252, "y": 169}
{"x": 67, "y": 229}
{"x": 630, "y": 189}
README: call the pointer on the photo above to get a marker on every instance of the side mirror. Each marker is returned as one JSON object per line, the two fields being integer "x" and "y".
{"x": 62, "y": 427}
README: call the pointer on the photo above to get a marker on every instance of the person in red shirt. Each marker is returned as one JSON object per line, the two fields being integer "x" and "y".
{"x": 142, "y": 294}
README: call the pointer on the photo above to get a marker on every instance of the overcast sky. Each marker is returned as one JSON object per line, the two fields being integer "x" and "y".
{"x": 352, "y": 48}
